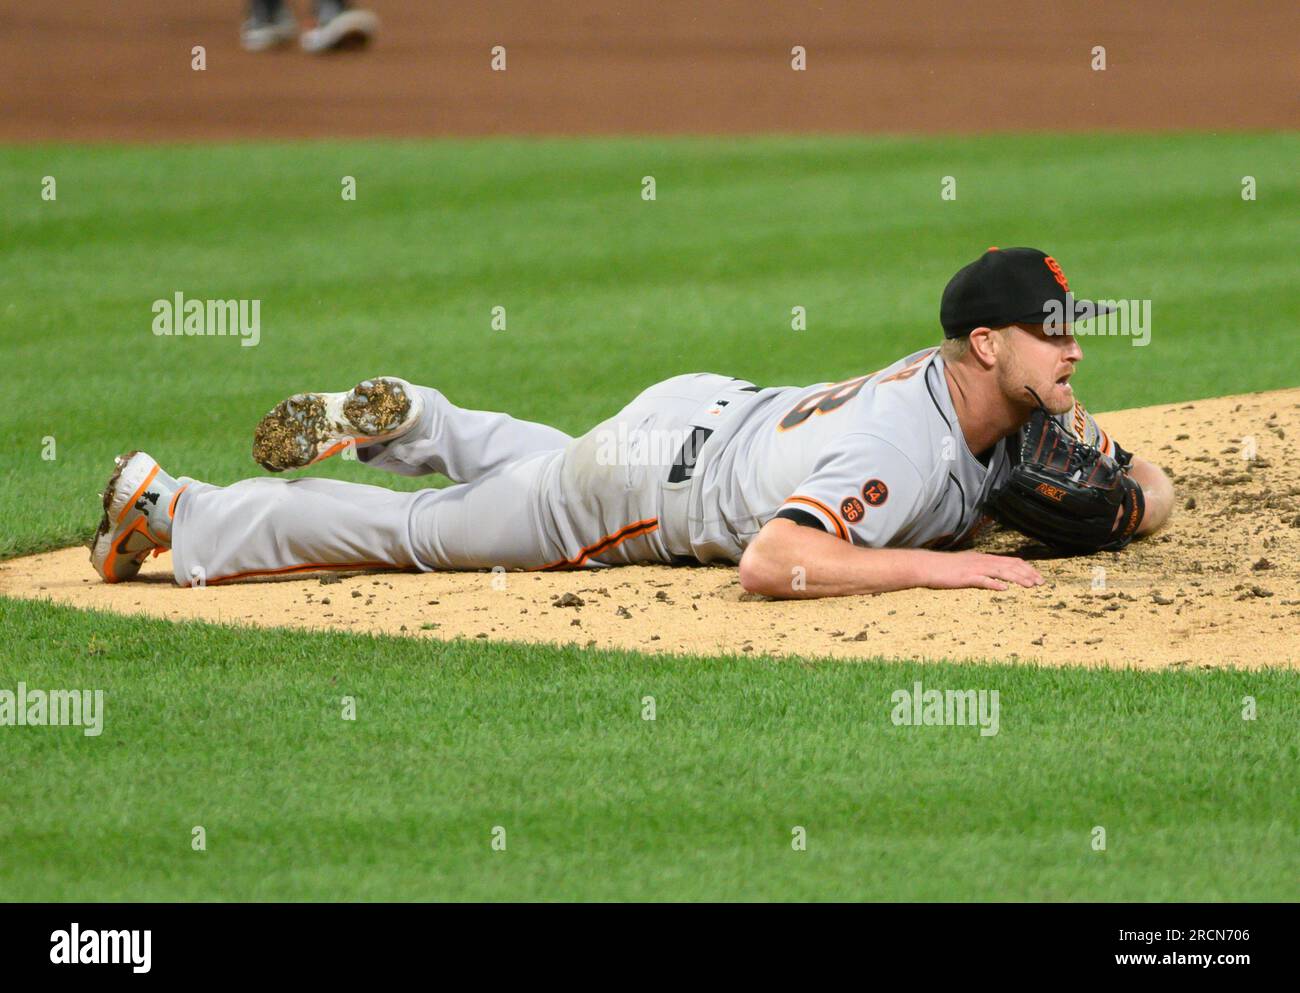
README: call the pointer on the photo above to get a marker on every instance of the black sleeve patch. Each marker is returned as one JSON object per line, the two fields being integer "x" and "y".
{"x": 802, "y": 517}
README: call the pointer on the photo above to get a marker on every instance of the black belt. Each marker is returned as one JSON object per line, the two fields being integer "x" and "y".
{"x": 684, "y": 465}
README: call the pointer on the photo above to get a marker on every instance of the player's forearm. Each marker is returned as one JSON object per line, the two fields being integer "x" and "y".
{"x": 789, "y": 561}
{"x": 1157, "y": 494}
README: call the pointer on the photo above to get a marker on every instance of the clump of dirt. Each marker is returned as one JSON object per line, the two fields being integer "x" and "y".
{"x": 1218, "y": 586}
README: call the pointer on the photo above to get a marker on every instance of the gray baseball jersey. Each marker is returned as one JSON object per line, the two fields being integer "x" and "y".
{"x": 878, "y": 460}
{"x": 690, "y": 470}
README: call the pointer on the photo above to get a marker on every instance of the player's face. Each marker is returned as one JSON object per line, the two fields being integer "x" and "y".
{"x": 1042, "y": 361}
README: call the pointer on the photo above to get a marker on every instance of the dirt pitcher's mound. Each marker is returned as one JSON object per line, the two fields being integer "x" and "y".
{"x": 1218, "y": 586}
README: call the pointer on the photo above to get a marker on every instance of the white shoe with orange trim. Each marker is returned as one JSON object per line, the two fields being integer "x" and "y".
{"x": 139, "y": 504}
{"x": 308, "y": 427}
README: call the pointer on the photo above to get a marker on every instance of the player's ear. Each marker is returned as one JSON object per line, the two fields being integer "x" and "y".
{"x": 984, "y": 343}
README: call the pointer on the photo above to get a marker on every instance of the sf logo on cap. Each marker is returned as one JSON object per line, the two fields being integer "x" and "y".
{"x": 1057, "y": 274}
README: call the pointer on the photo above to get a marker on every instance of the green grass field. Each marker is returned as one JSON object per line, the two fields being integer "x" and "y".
{"x": 239, "y": 731}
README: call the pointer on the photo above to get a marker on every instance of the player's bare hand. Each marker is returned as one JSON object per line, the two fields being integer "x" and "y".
{"x": 979, "y": 570}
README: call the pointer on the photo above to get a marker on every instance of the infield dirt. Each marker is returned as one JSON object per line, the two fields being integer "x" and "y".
{"x": 1218, "y": 586}
{"x": 86, "y": 70}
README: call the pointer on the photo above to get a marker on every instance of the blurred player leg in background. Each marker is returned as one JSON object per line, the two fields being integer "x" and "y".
{"x": 339, "y": 27}
{"x": 271, "y": 24}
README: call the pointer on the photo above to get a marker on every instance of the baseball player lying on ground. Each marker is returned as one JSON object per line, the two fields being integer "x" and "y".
{"x": 863, "y": 486}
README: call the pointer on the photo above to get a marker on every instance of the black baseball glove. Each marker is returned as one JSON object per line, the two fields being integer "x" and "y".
{"x": 1065, "y": 493}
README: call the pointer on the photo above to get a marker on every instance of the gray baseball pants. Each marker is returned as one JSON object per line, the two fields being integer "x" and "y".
{"x": 525, "y": 496}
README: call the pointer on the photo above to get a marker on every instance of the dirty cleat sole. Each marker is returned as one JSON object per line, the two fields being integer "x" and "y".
{"x": 308, "y": 427}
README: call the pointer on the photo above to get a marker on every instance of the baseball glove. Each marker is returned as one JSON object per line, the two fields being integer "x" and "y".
{"x": 1065, "y": 493}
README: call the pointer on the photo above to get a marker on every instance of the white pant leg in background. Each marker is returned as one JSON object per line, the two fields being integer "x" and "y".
{"x": 561, "y": 508}
{"x": 460, "y": 444}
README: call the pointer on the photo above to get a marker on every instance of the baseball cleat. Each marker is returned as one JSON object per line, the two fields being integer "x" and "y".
{"x": 346, "y": 29}
{"x": 139, "y": 503}
{"x": 261, "y": 32}
{"x": 309, "y": 427}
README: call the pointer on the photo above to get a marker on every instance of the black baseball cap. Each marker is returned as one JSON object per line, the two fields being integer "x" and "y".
{"x": 1010, "y": 286}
